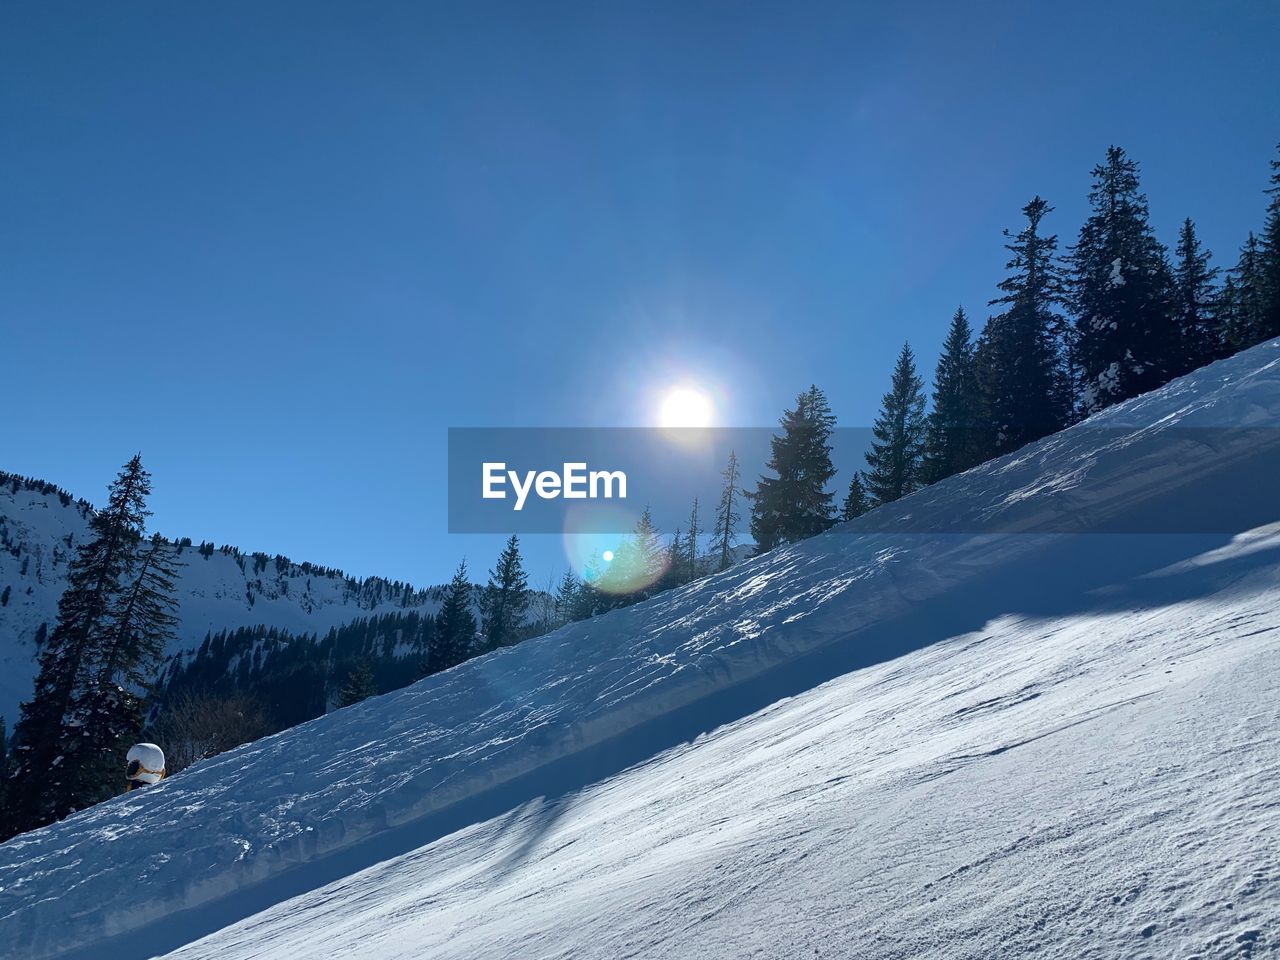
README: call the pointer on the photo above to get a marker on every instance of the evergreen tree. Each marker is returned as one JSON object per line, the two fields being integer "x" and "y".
{"x": 951, "y": 436}
{"x": 144, "y": 617}
{"x": 1269, "y": 267}
{"x": 1225, "y": 315}
{"x": 360, "y": 685}
{"x": 587, "y": 599}
{"x": 506, "y": 598}
{"x": 726, "y": 533}
{"x": 45, "y": 785}
{"x": 1024, "y": 378}
{"x": 855, "y": 501}
{"x": 796, "y": 503}
{"x": 1194, "y": 304}
{"x": 639, "y": 562}
{"x": 676, "y": 573}
{"x": 896, "y": 458}
{"x": 566, "y": 598}
{"x": 455, "y": 631}
{"x": 108, "y": 712}
{"x": 1244, "y": 300}
{"x": 690, "y": 557}
{"x": 1120, "y": 289}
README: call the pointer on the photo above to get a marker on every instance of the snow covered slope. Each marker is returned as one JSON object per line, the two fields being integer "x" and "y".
{"x": 41, "y": 525}
{"x": 942, "y": 743}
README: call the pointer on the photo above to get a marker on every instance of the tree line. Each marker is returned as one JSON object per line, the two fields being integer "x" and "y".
{"x": 1114, "y": 316}
{"x": 1073, "y": 332}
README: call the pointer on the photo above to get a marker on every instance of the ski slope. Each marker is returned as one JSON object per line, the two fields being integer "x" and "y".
{"x": 984, "y": 738}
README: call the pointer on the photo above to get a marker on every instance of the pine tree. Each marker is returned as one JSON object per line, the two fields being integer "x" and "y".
{"x": 1245, "y": 299}
{"x": 587, "y": 599}
{"x": 566, "y": 598}
{"x": 506, "y": 599}
{"x": 726, "y": 533}
{"x": 455, "y": 631}
{"x": 1120, "y": 290}
{"x": 796, "y": 503}
{"x": 676, "y": 567}
{"x": 1194, "y": 301}
{"x": 1023, "y": 370}
{"x": 144, "y": 617}
{"x": 951, "y": 437}
{"x": 1269, "y": 266}
{"x": 49, "y": 733}
{"x": 690, "y": 557}
{"x": 108, "y": 712}
{"x": 639, "y": 562}
{"x": 1226, "y": 315}
{"x": 896, "y": 458}
{"x": 360, "y": 685}
{"x": 855, "y": 501}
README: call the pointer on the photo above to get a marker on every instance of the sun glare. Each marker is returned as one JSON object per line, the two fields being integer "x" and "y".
{"x": 685, "y": 407}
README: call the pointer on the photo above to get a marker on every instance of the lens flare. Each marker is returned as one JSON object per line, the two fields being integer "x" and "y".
{"x": 613, "y": 563}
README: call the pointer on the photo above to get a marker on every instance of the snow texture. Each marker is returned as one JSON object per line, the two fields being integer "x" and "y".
{"x": 942, "y": 744}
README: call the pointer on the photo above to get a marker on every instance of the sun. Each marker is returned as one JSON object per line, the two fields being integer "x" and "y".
{"x": 685, "y": 407}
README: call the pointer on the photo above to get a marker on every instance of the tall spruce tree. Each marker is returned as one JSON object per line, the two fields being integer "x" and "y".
{"x": 1126, "y": 341}
{"x": 1244, "y": 299}
{"x": 1023, "y": 370}
{"x": 726, "y": 532}
{"x": 587, "y": 599}
{"x": 360, "y": 685}
{"x": 455, "y": 631}
{"x": 676, "y": 573}
{"x": 896, "y": 457}
{"x": 144, "y": 616}
{"x": 1269, "y": 267}
{"x": 796, "y": 504}
{"x": 690, "y": 554}
{"x": 951, "y": 438}
{"x": 108, "y": 711}
{"x": 855, "y": 501}
{"x": 638, "y": 564}
{"x": 566, "y": 597}
{"x": 50, "y": 734}
{"x": 1195, "y": 301}
{"x": 506, "y": 598}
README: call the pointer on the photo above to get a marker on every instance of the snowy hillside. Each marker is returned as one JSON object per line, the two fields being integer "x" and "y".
{"x": 944, "y": 743}
{"x": 219, "y": 588}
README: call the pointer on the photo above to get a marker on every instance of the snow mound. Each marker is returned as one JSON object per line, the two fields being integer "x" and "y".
{"x": 349, "y": 790}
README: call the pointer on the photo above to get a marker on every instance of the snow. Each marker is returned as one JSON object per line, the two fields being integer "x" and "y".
{"x": 938, "y": 744}
{"x": 38, "y": 534}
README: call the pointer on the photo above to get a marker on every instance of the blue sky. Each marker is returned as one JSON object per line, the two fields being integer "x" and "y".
{"x": 281, "y": 248}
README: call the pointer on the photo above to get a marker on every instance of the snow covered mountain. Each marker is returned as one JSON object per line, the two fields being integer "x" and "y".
{"x": 219, "y": 588}
{"x": 985, "y": 738}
